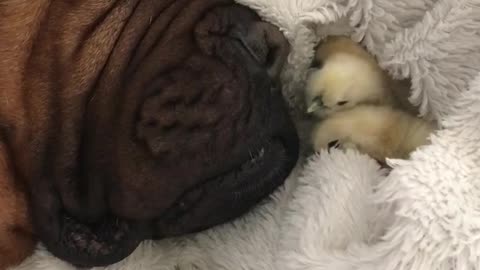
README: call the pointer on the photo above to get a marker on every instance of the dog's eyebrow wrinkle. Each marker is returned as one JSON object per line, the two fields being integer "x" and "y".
{"x": 91, "y": 29}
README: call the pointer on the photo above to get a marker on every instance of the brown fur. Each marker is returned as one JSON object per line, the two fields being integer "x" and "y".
{"x": 16, "y": 237}
{"x": 127, "y": 114}
{"x": 18, "y": 24}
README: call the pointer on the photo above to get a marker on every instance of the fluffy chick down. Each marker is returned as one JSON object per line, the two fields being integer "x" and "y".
{"x": 347, "y": 76}
{"x": 379, "y": 131}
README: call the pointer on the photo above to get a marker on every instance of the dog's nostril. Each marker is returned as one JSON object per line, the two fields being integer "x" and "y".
{"x": 266, "y": 44}
{"x": 271, "y": 58}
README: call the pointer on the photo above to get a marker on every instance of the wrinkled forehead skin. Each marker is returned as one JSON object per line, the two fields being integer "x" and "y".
{"x": 139, "y": 119}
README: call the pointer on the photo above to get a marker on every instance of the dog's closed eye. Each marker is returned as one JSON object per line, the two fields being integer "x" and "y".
{"x": 341, "y": 103}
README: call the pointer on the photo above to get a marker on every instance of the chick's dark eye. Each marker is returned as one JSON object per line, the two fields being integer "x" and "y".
{"x": 332, "y": 144}
{"x": 317, "y": 63}
{"x": 341, "y": 103}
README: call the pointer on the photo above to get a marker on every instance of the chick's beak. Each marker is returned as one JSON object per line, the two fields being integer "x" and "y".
{"x": 315, "y": 105}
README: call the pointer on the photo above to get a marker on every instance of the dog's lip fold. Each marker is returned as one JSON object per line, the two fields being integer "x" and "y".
{"x": 86, "y": 245}
{"x": 249, "y": 183}
{"x": 112, "y": 239}
{"x": 103, "y": 243}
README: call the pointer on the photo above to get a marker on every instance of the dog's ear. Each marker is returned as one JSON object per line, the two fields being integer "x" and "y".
{"x": 16, "y": 237}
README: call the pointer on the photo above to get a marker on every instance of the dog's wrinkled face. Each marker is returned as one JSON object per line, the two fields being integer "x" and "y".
{"x": 149, "y": 119}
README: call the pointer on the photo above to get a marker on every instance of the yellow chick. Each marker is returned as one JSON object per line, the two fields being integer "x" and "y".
{"x": 379, "y": 131}
{"x": 348, "y": 75}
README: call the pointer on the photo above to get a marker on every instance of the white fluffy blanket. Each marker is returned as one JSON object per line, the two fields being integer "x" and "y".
{"x": 340, "y": 211}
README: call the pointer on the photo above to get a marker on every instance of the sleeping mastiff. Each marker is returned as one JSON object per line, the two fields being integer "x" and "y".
{"x": 140, "y": 119}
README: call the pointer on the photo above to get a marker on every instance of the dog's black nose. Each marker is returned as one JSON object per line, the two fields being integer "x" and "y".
{"x": 266, "y": 44}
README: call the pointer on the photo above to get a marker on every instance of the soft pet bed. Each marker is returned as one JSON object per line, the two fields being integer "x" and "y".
{"x": 341, "y": 211}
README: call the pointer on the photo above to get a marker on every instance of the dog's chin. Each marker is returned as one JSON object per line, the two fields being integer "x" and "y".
{"x": 103, "y": 243}
{"x": 214, "y": 201}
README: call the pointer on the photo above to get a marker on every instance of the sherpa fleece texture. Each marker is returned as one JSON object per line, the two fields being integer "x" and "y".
{"x": 341, "y": 211}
